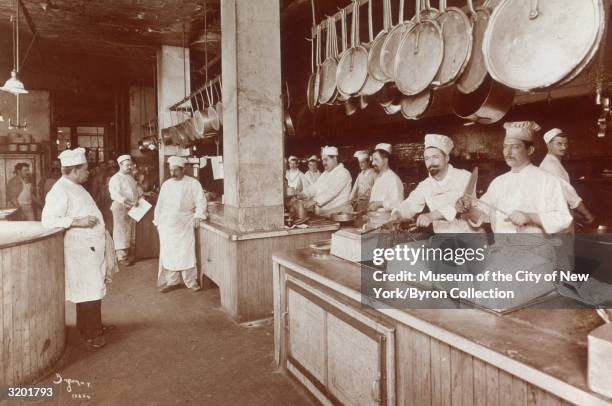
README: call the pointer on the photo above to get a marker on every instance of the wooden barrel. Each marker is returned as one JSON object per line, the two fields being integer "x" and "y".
{"x": 32, "y": 308}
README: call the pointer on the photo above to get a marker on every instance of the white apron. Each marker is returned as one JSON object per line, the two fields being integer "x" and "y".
{"x": 124, "y": 227}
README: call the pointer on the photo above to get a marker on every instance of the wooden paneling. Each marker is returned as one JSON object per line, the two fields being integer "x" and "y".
{"x": 243, "y": 269}
{"x": 431, "y": 372}
{"x": 32, "y": 320}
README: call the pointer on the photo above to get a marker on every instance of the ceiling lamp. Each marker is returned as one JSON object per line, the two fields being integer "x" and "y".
{"x": 13, "y": 84}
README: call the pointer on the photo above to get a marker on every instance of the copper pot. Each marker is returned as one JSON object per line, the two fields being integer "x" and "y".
{"x": 487, "y": 105}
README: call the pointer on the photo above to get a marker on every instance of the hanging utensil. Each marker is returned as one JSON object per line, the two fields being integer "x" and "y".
{"x": 457, "y": 39}
{"x": 392, "y": 41}
{"x": 328, "y": 90}
{"x": 476, "y": 71}
{"x": 219, "y": 104}
{"x": 211, "y": 111}
{"x": 311, "y": 100}
{"x": 353, "y": 67}
{"x": 351, "y": 106}
{"x": 558, "y": 40}
{"x": 342, "y": 95}
{"x": 374, "y": 55}
{"x": 487, "y": 105}
{"x": 314, "y": 86}
{"x": 371, "y": 85}
{"x": 414, "y": 107}
{"x": 419, "y": 55}
{"x": 198, "y": 119}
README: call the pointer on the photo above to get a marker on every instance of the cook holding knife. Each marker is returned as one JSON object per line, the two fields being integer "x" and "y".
{"x": 330, "y": 193}
{"x": 388, "y": 189}
{"x": 525, "y": 199}
{"x": 439, "y": 192}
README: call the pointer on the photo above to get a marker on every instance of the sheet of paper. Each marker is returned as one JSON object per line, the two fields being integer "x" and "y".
{"x": 138, "y": 212}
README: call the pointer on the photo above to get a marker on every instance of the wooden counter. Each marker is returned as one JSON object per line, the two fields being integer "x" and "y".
{"x": 458, "y": 356}
{"x": 32, "y": 300}
{"x": 240, "y": 263}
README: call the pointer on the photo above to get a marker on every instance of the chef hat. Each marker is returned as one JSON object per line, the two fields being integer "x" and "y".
{"x": 361, "y": 155}
{"x": 552, "y": 134}
{"x": 123, "y": 158}
{"x": 384, "y": 147}
{"x": 73, "y": 157}
{"x": 313, "y": 158}
{"x": 292, "y": 158}
{"x": 329, "y": 151}
{"x": 442, "y": 142}
{"x": 177, "y": 161}
{"x": 522, "y": 130}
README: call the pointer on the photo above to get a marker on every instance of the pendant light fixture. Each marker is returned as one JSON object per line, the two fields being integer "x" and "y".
{"x": 13, "y": 84}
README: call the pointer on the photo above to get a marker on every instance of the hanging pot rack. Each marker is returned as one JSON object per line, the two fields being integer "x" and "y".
{"x": 207, "y": 87}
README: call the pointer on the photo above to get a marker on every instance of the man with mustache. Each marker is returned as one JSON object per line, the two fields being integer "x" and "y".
{"x": 556, "y": 142}
{"x": 525, "y": 199}
{"x": 438, "y": 192}
{"x": 388, "y": 190}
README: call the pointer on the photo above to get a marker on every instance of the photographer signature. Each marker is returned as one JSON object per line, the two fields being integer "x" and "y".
{"x": 69, "y": 382}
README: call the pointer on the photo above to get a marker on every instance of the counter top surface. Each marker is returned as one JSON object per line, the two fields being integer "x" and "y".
{"x": 547, "y": 347}
{"x": 14, "y": 233}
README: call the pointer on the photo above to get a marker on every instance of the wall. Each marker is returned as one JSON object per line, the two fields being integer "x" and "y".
{"x": 35, "y": 109}
{"x": 142, "y": 109}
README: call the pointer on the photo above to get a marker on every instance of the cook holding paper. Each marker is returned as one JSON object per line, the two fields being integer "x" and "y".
{"x": 438, "y": 192}
{"x": 124, "y": 193}
{"x": 330, "y": 193}
{"x": 525, "y": 199}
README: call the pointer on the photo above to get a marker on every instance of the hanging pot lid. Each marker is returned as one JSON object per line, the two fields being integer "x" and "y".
{"x": 392, "y": 41}
{"x": 419, "y": 55}
{"x": 558, "y": 38}
{"x": 374, "y": 54}
{"x": 475, "y": 71}
{"x": 353, "y": 67}
{"x": 457, "y": 39}
{"x": 372, "y": 85}
{"x": 413, "y": 107}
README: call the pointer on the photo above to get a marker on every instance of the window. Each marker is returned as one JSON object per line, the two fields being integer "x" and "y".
{"x": 92, "y": 139}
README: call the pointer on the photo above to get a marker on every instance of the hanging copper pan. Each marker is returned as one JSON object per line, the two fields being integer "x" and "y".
{"x": 353, "y": 66}
{"x": 388, "y": 95}
{"x": 342, "y": 96}
{"x": 487, "y": 105}
{"x": 392, "y": 41}
{"x": 457, "y": 39}
{"x": 414, "y": 107}
{"x": 558, "y": 38}
{"x": 374, "y": 67}
{"x": 219, "y": 105}
{"x": 314, "y": 81}
{"x": 198, "y": 119}
{"x": 211, "y": 111}
{"x": 371, "y": 85}
{"x": 419, "y": 55}
{"x": 351, "y": 106}
{"x": 311, "y": 99}
{"x": 475, "y": 71}
{"x": 328, "y": 90}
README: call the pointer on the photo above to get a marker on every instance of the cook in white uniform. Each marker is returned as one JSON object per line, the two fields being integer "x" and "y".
{"x": 330, "y": 193}
{"x": 360, "y": 194}
{"x": 124, "y": 194}
{"x": 313, "y": 172}
{"x": 388, "y": 190}
{"x": 295, "y": 177}
{"x": 525, "y": 199}
{"x": 556, "y": 142}
{"x": 180, "y": 207}
{"x": 89, "y": 255}
{"x": 438, "y": 192}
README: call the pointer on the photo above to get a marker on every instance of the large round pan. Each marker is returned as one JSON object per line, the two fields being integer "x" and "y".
{"x": 457, "y": 39}
{"x": 342, "y": 96}
{"x": 475, "y": 71}
{"x": 558, "y": 38}
{"x": 353, "y": 66}
{"x": 487, "y": 105}
{"x": 392, "y": 42}
{"x": 328, "y": 89}
{"x": 374, "y": 66}
{"x": 419, "y": 55}
{"x": 371, "y": 85}
{"x": 312, "y": 93}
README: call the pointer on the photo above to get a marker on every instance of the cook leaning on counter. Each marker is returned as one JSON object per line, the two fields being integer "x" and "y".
{"x": 439, "y": 192}
{"x": 525, "y": 199}
{"x": 330, "y": 193}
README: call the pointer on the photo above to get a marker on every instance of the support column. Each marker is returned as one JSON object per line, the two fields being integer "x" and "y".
{"x": 173, "y": 83}
{"x": 253, "y": 113}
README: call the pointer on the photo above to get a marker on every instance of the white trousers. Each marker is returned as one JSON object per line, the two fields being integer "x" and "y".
{"x": 189, "y": 276}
